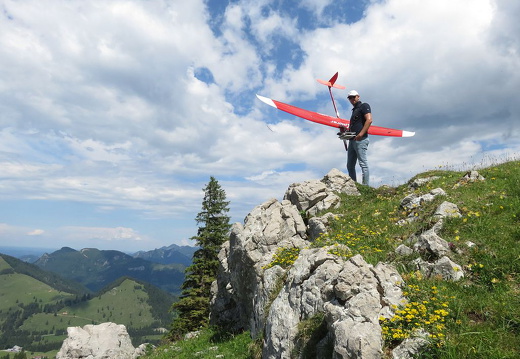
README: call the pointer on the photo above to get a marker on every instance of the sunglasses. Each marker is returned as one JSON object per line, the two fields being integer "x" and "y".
{"x": 351, "y": 97}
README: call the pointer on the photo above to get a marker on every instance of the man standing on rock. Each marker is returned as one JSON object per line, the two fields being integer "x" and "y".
{"x": 360, "y": 121}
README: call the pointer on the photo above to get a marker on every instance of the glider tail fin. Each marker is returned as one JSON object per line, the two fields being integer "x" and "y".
{"x": 332, "y": 82}
{"x": 333, "y": 79}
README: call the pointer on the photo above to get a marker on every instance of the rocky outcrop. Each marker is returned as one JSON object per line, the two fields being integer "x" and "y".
{"x": 314, "y": 196}
{"x": 348, "y": 296}
{"x": 103, "y": 341}
{"x": 271, "y": 301}
{"x": 351, "y": 294}
{"x": 433, "y": 250}
{"x": 242, "y": 291}
{"x": 414, "y": 201}
{"x": 470, "y": 176}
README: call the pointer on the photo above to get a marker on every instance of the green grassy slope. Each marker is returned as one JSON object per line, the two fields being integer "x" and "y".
{"x": 20, "y": 289}
{"x": 14, "y": 265}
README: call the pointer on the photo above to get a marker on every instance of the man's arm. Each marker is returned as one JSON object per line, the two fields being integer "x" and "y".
{"x": 364, "y": 130}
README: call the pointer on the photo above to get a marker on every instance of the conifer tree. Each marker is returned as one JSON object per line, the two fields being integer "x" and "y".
{"x": 192, "y": 309}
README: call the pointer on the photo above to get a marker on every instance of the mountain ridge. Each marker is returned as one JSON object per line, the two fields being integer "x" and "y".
{"x": 96, "y": 268}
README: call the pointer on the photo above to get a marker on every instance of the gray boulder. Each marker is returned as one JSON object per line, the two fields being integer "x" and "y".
{"x": 403, "y": 250}
{"x": 319, "y": 225}
{"x": 443, "y": 267}
{"x": 418, "y": 182}
{"x": 470, "y": 176}
{"x": 447, "y": 269}
{"x": 431, "y": 244}
{"x": 447, "y": 209}
{"x": 414, "y": 201}
{"x": 314, "y": 196}
{"x": 410, "y": 347}
{"x": 339, "y": 182}
{"x": 103, "y": 341}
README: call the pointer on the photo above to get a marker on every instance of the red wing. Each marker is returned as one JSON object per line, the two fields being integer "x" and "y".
{"x": 329, "y": 120}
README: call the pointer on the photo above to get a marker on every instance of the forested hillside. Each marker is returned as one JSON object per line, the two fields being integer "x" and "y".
{"x": 96, "y": 268}
{"x": 35, "y": 315}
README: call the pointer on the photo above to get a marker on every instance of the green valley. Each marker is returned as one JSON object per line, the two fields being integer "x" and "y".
{"x": 35, "y": 315}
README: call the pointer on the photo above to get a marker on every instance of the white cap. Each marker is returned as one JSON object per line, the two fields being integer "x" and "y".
{"x": 353, "y": 93}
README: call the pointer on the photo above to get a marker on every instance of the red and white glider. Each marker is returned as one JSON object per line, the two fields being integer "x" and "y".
{"x": 329, "y": 120}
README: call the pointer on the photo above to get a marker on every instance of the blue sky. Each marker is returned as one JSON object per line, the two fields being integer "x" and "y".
{"x": 114, "y": 114}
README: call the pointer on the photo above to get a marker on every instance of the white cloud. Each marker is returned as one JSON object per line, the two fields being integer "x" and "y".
{"x": 105, "y": 234}
{"x": 36, "y": 232}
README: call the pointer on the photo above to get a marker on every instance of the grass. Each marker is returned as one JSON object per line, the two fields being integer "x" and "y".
{"x": 209, "y": 344}
{"x": 476, "y": 317}
{"x": 111, "y": 306}
{"x": 18, "y": 289}
{"x": 125, "y": 304}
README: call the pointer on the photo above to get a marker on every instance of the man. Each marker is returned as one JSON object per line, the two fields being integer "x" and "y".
{"x": 360, "y": 121}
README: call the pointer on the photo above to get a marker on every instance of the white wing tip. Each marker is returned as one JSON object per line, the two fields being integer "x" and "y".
{"x": 408, "y": 134}
{"x": 266, "y": 100}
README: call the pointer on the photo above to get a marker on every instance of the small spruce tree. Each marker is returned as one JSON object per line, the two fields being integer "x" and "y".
{"x": 192, "y": 309}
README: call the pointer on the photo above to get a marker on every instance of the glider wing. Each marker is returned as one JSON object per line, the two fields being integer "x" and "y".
{"x": 329, "y": 120}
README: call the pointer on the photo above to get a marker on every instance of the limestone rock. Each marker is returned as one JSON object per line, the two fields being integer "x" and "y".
{"x": 418, "y": 182}
{"x": 351, "y": 294}
{"x": 242, "y": 289}
{"x": 410, "y": 347}
{"x": 103, "y": 341}
{"x": 447, "y": 269}
{"x": 403, "y": 250}
{"x": 314, "y": 196}
{"x": 311, "y": 197}
{"x": 470, "y": 176}
{"x": 319, "y": 225}
{"x": 443, "y": 267}
{"x": 413, "y": 200}
{"x": 431, "y": 244}
{"x": 339, "y": 182}
{"x": 473, "y": 176}
{"x": 447, "y": 209}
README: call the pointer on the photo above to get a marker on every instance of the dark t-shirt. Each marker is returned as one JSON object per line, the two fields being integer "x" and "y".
{"x": 357, "y": 120}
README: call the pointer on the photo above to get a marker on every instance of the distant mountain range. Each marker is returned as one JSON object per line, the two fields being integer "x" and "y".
{"x": 93, "y": 268}
{"x": 164, "y": 255}
{"x": 168, "y": 255}
{"x": 96, "y": 268}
